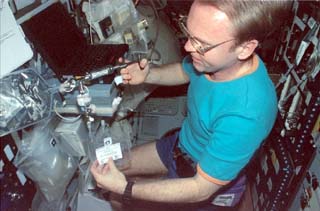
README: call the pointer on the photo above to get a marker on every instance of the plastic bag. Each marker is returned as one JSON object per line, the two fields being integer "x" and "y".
{"x": 39, "y": 203}
{"x": 39, "y": 158}
{"x": 121, "y": 132}
{"x": 24, "y": 100}
{"x": 67, "y": 202}
{"x": 73, "y": 137}
{"x": 115, "y": 142}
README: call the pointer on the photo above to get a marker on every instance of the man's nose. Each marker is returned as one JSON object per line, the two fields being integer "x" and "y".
{"x": 188, "y": 46}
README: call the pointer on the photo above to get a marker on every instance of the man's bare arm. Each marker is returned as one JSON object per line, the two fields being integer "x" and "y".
{"x": 182, "y": 190}
{"x": 168, "y": 75}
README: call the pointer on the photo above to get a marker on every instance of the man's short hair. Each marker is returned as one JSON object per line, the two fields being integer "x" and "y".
{"x": 253, "y": 19}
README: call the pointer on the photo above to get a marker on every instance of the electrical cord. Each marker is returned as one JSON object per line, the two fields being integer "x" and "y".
{"x": 149, "y": 58}
{"x": 136, "y": 2}
{"x": 90, "y": 22}
{"x": 69, "y": 120}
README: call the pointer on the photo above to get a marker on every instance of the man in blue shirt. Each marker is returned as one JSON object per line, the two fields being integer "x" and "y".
{"x": 232, "y": 107}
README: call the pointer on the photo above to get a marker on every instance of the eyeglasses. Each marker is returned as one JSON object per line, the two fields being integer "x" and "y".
{"x": 200, "y": 46}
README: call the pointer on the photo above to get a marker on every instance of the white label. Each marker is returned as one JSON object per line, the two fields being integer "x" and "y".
{"x": 258, "y": 178}
{"x": 264, "y": 165}
{"x": 311, "y": 22}
{"x": 7, "y": 150}
{"x": 21, "y": 177}
{"x": 302, "y": 49}
{"x": 269, "y": 183}
{"x": 299, "y": 23}
{"x": 22, "y": 4}
{"x": 105, "y": 152}
{"x": 315, "y": 72}
{"x": 1, "y": 165}
{"x": 107, "y": 141}
{"x": 118, "y": 79}
{"x": 224, "y": 200}
{"x": 116, "y": 101}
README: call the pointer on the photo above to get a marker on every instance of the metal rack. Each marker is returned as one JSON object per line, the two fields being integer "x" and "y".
{"x": 287, "y": 154}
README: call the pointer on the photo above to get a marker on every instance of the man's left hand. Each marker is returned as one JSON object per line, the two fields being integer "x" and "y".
{"x": 108, "y": 176}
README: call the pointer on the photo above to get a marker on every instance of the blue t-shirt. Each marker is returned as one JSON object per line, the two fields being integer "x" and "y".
{"x": 227, "y": 121}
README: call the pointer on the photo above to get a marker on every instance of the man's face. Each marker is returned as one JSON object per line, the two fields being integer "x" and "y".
{"x": 209, "y": 25}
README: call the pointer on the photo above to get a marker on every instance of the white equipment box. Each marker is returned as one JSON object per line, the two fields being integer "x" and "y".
{"x": 14, "y": 50}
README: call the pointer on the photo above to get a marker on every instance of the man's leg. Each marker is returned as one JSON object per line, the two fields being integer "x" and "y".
{"x": 145, "y": 161}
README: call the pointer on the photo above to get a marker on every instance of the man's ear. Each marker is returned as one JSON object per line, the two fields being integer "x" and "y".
{"x": 247, "y": 48}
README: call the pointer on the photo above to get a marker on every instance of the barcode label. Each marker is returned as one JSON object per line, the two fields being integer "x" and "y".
{"x": 105, "y": 152}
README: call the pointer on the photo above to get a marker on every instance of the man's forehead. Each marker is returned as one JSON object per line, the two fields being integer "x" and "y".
{"x": 212, "y": 12}
{"x": 219, "y": 15}
{"x": 214, "y": 18}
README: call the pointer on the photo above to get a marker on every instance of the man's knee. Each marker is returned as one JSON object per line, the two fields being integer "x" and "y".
{"x": 145, "y": 160}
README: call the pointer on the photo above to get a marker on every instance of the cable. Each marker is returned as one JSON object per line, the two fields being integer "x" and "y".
{"x": 90, "y": 22}
{"x": 157, "y": 29}
{"x": 162, "y": 4}
{"x": 70, "y": 120}
{"x": 136, "y": 2}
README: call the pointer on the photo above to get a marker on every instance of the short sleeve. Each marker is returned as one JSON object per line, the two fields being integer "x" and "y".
{"x": 235, "y": 139}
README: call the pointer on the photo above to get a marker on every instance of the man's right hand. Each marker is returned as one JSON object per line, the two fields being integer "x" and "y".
{"x": 135, "y": 73}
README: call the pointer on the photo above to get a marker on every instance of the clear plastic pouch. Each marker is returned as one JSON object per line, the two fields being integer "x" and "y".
{"x": 39, "y": 203}
{"x": 25, "y": 100}
{"x": 73, "y": 137}
{"x": 115, "y": 142}
{"x": 39, "y": 158}
{"x": 121, "y": 132}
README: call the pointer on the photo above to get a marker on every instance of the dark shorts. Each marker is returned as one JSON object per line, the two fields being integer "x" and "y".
{"x": 165, "y": 147}
{"x": 228, "y": 196}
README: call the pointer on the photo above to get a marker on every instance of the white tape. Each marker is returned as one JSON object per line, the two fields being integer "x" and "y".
{"x": 21, "y": 177}
{"x": 7, "y": 150}
{"x": 1, "y": 165}
{"x": 118, "y": 80}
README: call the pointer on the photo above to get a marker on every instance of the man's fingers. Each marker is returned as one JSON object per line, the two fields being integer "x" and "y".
{"x": 121, "y": 60}
{"x": 105, "y": 169}
{"x": 126, "y": 77}
{"x": 94, "y": 166}
{"x": 143, "y": 63}
{"x": 111, "y": 164}
{"x": 124, "y": 71}
{"x": 99, "y": 169}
